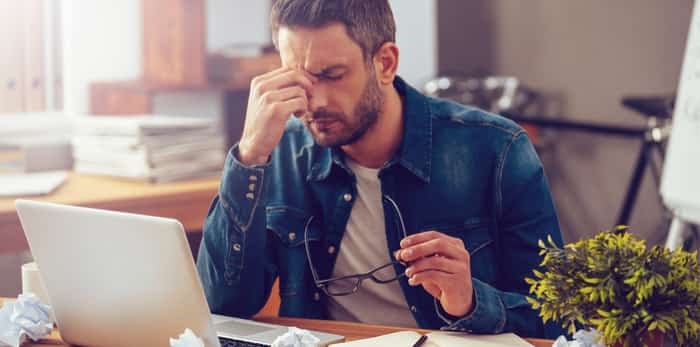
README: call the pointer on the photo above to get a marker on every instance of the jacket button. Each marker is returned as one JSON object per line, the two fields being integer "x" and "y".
{"x": 237, "y": 247}
{"x": 414, "y": 309}
{"x": 317, "y": 296}
{"x": 292, "y": 236}
{"x": 331, "y": 250}
{"x": 347, "y": 197}
{"x": 251, "y": 187}
{"x": 253, "y": 178}
{"x": 250, "y": 196}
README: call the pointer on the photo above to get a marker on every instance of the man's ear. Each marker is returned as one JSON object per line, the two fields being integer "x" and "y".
{"x": 386, "y": 61}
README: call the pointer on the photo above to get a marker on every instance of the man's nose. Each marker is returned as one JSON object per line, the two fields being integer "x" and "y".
{"x": 318, "y": 98}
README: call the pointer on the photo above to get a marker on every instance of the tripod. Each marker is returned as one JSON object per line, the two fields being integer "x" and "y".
{"x": 658, "y": 111}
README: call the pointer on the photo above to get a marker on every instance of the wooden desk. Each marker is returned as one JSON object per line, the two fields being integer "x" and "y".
{"x": 356, "y": 331}
{"x": 351, "y": 331}
{"x": 186, "y": 201}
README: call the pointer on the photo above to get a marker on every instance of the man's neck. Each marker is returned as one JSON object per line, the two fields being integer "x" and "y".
{"x": 383, "y": 139}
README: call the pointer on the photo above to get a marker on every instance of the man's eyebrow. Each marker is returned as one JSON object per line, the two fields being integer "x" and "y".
{"x": 330, "y": 69}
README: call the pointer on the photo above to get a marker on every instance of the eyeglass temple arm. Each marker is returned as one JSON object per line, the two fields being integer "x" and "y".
{"x": 398, "y": 213}
{"x": 308, "y": 253}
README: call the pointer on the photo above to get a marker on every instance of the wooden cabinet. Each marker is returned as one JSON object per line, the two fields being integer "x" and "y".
{"x": 174, "y": 45}
{"x": 21, "y": 49}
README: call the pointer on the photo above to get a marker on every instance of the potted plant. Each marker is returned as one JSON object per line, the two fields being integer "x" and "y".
{"x": 630, "y": 294}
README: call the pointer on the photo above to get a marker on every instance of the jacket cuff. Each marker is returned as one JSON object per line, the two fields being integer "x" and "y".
{"x": 487, "y": 317}
{"x": 242, "y": 188}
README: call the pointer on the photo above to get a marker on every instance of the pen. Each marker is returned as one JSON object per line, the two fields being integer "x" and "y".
{"x": 420, "y": 341}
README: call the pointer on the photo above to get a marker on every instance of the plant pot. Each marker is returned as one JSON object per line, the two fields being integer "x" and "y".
{"x": 653, "y": 339}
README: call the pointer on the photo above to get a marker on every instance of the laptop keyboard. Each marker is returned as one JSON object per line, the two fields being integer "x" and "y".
{"x": 225, "y": 342}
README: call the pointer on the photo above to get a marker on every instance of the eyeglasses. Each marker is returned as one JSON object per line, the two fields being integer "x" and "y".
{"x": 346, "y": 285}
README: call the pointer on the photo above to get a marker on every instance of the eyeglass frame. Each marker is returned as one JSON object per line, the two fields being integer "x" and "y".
{"x": 323, "y": 284}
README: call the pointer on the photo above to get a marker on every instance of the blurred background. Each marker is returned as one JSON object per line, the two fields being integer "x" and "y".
{"x": 566, "y": 65}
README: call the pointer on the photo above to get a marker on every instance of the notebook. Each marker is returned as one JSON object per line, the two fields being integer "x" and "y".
{"x": 438, "y": 339}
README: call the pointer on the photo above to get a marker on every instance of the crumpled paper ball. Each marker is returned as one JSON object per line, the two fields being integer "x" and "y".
{"x": 582, "y": 338}
{"x": 25, "y": 318}
{"x": 187, "y": 339}
{"x": 296, "y": 337}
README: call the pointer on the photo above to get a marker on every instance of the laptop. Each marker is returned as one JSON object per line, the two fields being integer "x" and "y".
{"x": 117, "y": 279}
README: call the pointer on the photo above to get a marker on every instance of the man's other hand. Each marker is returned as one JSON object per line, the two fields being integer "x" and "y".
{"x": 440, "y": 264}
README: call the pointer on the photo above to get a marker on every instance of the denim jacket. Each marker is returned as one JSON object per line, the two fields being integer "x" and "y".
{"x": 459, "y": 170}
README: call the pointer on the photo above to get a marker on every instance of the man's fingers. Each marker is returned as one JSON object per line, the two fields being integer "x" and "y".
{"x": 284, "y": 94}
{"x": 420, "y": 238}
{"x": 436, "y": 263}
{"x": 440, "y": 263}
{"x": 447, "y": 247}
{"x": 292, "y": 106}
{"x": 282, "y": 80}
{"x": 432, "y": 289}
{"x": 269, "y": 74}
{"x": 435, "y": 277}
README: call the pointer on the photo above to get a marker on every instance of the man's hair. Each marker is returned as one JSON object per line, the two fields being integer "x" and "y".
{"x": 369, "y": 23}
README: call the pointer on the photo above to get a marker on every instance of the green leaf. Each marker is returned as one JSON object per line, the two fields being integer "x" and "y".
{"x": 603, "y": 313}
{"x": 613, "y": 282}
{"x": 653, "y": 326}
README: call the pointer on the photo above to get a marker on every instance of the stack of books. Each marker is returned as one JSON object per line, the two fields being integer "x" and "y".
{"x": 150, "y": 147}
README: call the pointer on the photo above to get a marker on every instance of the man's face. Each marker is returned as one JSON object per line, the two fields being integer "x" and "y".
{"x": 345, "y": 100}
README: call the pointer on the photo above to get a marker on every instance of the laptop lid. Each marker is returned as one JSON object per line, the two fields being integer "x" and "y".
{"x": 119, "y": 279}
{"x": 116, "y": 279}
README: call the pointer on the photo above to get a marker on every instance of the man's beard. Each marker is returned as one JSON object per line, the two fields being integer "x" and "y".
{"x": 364, "y": 116}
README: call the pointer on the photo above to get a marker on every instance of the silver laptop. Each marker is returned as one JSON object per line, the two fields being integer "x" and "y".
{"x": 118, "y": 279}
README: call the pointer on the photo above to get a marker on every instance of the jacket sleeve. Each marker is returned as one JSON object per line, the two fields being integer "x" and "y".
{"x": 235, "y": 258}
{"x": 526, "y": 214}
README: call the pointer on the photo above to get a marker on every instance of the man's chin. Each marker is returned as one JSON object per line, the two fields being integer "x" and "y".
{"x": 327, "y": 141}
{"x": 335, "y": 137}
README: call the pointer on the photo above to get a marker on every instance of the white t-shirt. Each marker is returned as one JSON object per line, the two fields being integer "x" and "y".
{"x": 363, "y": 248}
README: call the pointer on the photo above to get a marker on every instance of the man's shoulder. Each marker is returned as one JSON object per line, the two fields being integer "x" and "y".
{"x": 453, "y": 116}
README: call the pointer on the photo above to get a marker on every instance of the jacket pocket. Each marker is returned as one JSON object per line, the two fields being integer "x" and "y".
{"x": 290, "y": 226}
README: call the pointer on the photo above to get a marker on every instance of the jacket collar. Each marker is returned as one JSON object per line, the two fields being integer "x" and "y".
{"x": 416, "y": 145}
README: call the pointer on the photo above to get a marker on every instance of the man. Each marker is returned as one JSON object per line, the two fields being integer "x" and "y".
{"x": 343, "y": 169}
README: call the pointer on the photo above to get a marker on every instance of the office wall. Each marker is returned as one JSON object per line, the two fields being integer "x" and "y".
{"x": 237, "y": 21}
{"x": 416, "y": 36}
{"x": 585, "y": 55}
{"x": 101, "y": 42}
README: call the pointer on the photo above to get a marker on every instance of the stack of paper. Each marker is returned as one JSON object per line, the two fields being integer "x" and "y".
{"x": 35, "y": 142}
{"x": 154, "y": 148}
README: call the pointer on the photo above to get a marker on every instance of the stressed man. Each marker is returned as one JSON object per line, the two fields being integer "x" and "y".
{"x": 369, "y": 201}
